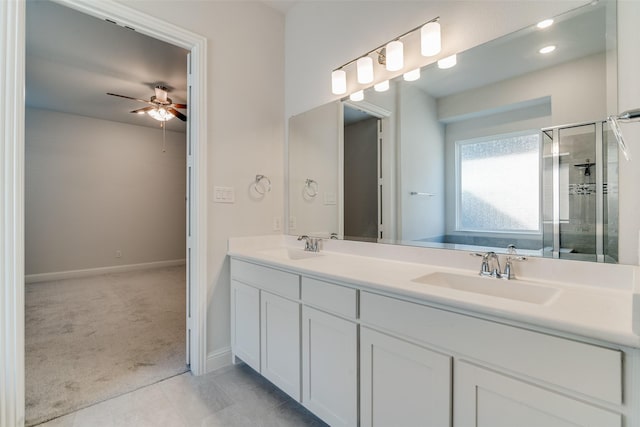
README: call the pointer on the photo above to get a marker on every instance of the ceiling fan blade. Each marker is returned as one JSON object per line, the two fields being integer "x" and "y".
{"x": 177, "y": 113}
{"x": 180, "y": 105}
{"x": 142, "y": 110}
{"x": 128, "y": 97}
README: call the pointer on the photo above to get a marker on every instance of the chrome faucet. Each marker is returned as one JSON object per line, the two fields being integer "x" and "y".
{"x": 311, "y": 244}
{"x": 511, "y": 256}
{"x": 490, "y": 266}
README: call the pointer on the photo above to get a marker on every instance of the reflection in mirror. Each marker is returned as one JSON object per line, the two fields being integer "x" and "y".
{"x": 509, "y": 146}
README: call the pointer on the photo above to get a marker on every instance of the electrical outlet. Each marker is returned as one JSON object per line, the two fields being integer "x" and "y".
{"x": 118, "y": 253}
{"x": 292, "y": 223}
{"x": 276, "y": 223}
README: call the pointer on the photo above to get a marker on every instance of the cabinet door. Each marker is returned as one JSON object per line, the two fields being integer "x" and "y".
{"x": 245, "y": 323}
{"x": 483, "y": 398}
{"x": 402, "y": 384}
{"x": 280, "y": 352}
{"x": 330, "y": 367}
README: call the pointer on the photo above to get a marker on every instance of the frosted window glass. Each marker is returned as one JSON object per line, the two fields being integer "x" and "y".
{"x": 499, "y": 184}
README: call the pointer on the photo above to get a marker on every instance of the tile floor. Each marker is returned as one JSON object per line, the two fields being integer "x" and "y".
{"x": 233, "y": 396}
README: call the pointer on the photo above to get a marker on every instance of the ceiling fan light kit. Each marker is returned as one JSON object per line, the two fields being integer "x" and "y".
{"x": 161, "y": 107}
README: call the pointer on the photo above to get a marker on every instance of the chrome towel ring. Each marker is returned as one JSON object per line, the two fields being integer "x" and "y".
{"x": 310, "y": 187}
{"x": 262, "y": 184}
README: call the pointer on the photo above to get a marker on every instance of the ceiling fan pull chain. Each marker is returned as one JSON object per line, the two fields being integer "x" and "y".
{"x": 164, "y": 127}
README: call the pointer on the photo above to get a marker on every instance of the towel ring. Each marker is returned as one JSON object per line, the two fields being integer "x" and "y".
{"x": 310, "y": 187}
{"x": 260, "y": 187}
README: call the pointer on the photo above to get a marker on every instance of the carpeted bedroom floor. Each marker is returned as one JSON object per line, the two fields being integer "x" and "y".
{"x": 93, "y": 338}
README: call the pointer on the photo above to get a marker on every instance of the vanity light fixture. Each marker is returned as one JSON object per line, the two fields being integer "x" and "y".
{"x": 382, "y": 86}
{"x": 390, "y": 54}
{"x": 448, "y": 62}
{"x": 430, "y": 39}
{"x": 357, "y": 96}
{"x": 394, "y": 55}
{"x": 626, "y": 116}
{"x": 547, "y": 49}
{"x": 544, "y": 24}
{"x": 412, "y": 75}
{"x": 365, "y": 70}
{"x": 339, "y": 82}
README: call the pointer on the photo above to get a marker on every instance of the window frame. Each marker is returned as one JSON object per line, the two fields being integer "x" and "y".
{"x": 458, "y": 181}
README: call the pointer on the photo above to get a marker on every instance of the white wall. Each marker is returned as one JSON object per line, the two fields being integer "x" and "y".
{"x": 629, "y": 97}
{"x": 245, "y": 102}
{"x": 421, "y": 148}
{"x": 94, "y": 186}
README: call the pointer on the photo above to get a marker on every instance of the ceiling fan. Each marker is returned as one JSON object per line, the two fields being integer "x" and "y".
{"x": 161, "y": 107}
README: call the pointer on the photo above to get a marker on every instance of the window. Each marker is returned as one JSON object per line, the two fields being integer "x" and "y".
{"x": 498, "y": 186}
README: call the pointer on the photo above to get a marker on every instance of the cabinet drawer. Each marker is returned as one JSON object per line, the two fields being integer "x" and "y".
{"x": 334, "y": 298}
{"x": 270, "y": 279}
{"x": 583, "y": 368}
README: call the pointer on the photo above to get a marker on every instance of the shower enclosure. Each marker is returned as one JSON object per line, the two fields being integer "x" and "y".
{"x": 580, "y": 192}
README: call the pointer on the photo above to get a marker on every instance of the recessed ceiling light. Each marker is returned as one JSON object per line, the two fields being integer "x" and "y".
{"x": 545, "y": 24}
{"x": 547, "y": 49}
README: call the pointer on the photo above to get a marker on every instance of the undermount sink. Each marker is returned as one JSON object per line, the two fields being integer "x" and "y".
{"x": 291, "y": 253}
{"x": 509, "y": 289}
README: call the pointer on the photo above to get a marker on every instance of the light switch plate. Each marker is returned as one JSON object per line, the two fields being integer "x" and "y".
{"x": 224, "y": 195}
{"x": 329, "y": 198}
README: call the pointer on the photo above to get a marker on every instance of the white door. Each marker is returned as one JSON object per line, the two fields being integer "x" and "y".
{"x": 245, "y": 323}
{"x": 330, "y": 367}
{"x": 280, "y": 349}
{"x": 483, "y": 398}
{"x": 402, "y": 384}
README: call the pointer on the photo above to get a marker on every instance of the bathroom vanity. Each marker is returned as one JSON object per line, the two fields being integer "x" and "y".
{"x": 369, "y": 340}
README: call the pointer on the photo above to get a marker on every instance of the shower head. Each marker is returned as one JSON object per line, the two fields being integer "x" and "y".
{"x": 629, "y": 115}
{"x": 626, "y": 116}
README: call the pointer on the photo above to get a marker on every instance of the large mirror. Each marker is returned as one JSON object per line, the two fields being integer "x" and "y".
{"x": 508, "y": 147}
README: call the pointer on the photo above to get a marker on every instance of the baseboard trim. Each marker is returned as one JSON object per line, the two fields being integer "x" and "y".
{"x": 218, "y": 359}
{"x": 72, "y": 274}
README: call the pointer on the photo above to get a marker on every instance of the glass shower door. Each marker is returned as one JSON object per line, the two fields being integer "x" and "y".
{"x": 579, "y": 174}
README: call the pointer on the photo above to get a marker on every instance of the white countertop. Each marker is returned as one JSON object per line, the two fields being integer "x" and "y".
{"x": 594, "y": 312}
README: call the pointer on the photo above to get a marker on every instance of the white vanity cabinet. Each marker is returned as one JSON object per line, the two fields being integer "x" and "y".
{"x": 265, "y": 323}
{"x": 484, "y": 398}
{"x": 330, "y": 352}
{"x": 245, "y": 323}
{"x": 502, "y": 375}
{"x": 357, "y": 357}
{"x": 280, "y": 338}
{"x": 402, "y": 384}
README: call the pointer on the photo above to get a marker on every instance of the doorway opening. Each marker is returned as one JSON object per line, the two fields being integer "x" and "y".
{"x": 193, "y": 179}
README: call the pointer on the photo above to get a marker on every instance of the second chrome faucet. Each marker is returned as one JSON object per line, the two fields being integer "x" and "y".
{"x": 490, "y": 266}
{"x": 311, "y": 244}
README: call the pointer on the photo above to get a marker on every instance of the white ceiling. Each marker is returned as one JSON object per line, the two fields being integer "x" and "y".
{"x": 73, "y": 60}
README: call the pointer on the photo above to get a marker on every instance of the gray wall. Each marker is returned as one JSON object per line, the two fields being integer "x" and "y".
{"x": 93, "y": 187}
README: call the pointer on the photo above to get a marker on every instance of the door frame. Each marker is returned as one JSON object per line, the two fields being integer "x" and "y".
{"x": 12, "y": 167}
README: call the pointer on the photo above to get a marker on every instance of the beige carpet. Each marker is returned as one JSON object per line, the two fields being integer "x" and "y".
{"x": 90, "y": 339}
